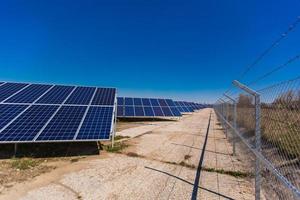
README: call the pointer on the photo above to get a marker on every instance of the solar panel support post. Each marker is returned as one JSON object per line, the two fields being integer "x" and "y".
{"x": 114, "y": 124}
{"x": 15, "y": 150}
{"x": 234, "y": 121}
{"x": 257, "y": 134}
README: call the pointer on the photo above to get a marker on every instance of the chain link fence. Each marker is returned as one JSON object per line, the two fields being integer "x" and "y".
{"x": 267, "y": 124}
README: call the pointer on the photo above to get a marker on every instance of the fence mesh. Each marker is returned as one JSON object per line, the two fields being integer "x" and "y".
{"x": 280, "y": 133}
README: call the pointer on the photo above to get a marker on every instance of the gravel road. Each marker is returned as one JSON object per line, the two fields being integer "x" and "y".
{"x": 160, "y": 163}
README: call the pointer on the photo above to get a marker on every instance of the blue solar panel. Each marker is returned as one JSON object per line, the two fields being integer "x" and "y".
{"x": 154, "y": 102}
{"x": 9, "y": 112}
{"x": 39, "y": 122}
{"x": 64, "y": 124}
{"x": 128, "y": 101}
{"x": 29, "y": 94}
{"x": 97, "y": 124}
{"x": 9, "y": 89}
{"x": 56, "y": 95}
{"x": 167, "y": 111}
{"x": 170, "y": 102}
{"x": 148, "y": 111}
{"x": 81, "y": 96}
{"x": 120, "y": 111}
{"x": 137, "y": 101}
{"x": 184, "y": 106}
{"x": 139, "y": 111}
{"x": 146, "y": 102}
{"x": 162, "y": 102}
{"x": 129, "y": 111}
{"x": 157, "y": 111}
{"x": 120, "y": 101}
{"x": 143, "y": 107}
{"x": 180, "y": 108}
{"x": 175, "y": 111}
{"x": 28, "y": 124}
{"x": 104, "y": 96}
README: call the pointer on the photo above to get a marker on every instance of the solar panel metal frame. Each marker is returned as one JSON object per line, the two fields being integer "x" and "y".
{"x": 113, "y": 121}
{"x": 150, "y": 106}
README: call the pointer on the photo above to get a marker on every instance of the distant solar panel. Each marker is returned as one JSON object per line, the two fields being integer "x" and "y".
{"x": 146, "y": 107}
{"x": 42, "y": 113}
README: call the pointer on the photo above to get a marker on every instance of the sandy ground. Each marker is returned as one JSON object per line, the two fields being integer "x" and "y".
{"x": 160, "y": 163}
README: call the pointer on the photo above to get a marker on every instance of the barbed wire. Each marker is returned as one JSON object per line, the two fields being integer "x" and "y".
{"x": 268, "y": 50}
{"x": 290, "y": 61}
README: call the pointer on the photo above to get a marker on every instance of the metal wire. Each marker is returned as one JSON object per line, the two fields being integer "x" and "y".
{"x": 280, "y": 133}
{"x": 267, "y": 51}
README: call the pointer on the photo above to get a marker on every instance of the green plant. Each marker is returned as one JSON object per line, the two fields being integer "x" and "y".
{"x": 118, "y": 147}
{"x": 24, "y": 163}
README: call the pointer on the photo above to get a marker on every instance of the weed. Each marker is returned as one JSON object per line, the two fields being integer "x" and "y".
{"x": 24, "y": 163}
{"x": 186, "y": 157}
{"x": 237, "y": 174}
{"x": 118, "y": 147}
{"x": 132, "y": 154}
{"x": 120, "y": 137}
{"x": 74, "y": 160}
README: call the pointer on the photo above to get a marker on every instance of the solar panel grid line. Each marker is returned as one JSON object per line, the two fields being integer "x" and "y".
{"x": 8, "y": 113}
{"x": 151, "y": 106}
{"x": 25, "y": 127}
{"x": 56, "y": 95}
{"x": 64, "y": 124}
{"x": 43, "y": 94}
{"x": 19, "y": 113}
{"x": 84, "y": 115}
{"x": 2, "y": 83}
{"x": 81, "y": 95}
{"x": 45, "y": 125}
{"x": 16, "y": 93}
{"x": 7, "y": 125}
{"x": 29, "y": 94}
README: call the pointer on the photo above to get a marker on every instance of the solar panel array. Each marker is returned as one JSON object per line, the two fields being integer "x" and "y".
{"x": 187, "y": 107}
{"x": 146, "y": 107}
{"x": 44, "y": 112}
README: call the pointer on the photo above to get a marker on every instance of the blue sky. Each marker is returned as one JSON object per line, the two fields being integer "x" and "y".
{"x": 185, "y": 50}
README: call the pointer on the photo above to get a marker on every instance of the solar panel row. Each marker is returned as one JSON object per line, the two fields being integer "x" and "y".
{"x": 146, "y": 107}
{"x": 186, "y": 107}
{"x": 55, "y": 94}
{"x": 39, "y": 113}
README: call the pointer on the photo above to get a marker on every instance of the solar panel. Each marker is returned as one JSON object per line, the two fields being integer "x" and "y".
{"x": 28, "y": 124}
{"x": 97, "y": 124}
{"x": 9, "y": 112}
{"x": 184, "y": 107}
{"x": 104, "y": 96}
{"x": 128, "y": 101}
{"x": 43, "y": 113}
{"x": 8, "y": 89}
{"x": 29, "y": 94}
{"x": 64, "y": 124}
{"x": 146, "y": 107}
{"x": 81, "y": 96}
{"x": 56, "y": 95}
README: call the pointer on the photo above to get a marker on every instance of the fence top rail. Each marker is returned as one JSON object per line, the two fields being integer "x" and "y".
{"x": 245, "y": 88}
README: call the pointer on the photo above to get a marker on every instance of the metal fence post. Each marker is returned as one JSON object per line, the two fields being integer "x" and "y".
{"x": 234, "y": 122}
{"x": 257, "y": 146}
{"x": 257, "y": 135}
{"x": 225, "y": 115}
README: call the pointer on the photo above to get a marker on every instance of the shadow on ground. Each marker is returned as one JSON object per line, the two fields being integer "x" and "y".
{"x": 185, "y": 181}
{"x": 46, "y": 150}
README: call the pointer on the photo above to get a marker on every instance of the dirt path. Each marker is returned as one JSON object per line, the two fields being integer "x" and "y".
{"x": 161, "y": 163}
